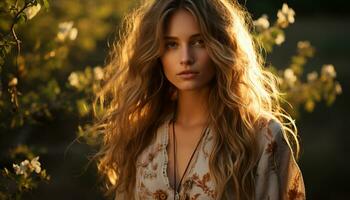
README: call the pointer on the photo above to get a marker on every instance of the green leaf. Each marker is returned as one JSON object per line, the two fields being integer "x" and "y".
{"x": 21, "y": 19}
{"x": 45, "y": 3}
{"x": 7, "y": 49}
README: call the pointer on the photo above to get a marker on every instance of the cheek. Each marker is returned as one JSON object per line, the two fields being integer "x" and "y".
{"x": 207, "y": 64}
{"x": 204, "y": 58}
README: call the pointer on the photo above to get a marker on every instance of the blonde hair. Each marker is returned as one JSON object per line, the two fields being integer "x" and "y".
{"x": 136, "y": 97}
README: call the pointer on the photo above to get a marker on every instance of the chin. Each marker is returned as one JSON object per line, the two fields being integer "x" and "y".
{"x": 189, "y": 87}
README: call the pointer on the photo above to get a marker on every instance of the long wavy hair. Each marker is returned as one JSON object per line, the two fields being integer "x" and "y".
{"x": 136, "y": 98}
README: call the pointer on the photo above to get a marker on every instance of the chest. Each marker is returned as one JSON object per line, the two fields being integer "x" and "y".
{"x": 182, "y": 150}
{"x": 154, "y": 177}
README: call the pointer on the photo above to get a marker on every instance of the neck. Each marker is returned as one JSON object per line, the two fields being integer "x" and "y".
{"x": 192, "y": 107}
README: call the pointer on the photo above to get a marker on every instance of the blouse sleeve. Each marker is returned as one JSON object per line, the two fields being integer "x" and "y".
{"x": 278, "y": 175}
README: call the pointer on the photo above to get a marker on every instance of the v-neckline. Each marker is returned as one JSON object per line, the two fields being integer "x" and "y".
{"x": 165, "y": 142}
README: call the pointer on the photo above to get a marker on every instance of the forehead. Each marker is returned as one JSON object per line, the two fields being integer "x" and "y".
{"x": 181, "y": 24}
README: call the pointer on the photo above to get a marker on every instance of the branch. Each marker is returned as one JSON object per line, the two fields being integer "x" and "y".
{"x": 26, "y": 5}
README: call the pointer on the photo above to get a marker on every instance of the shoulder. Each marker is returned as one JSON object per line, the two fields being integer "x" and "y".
{"x": 269, "y": 128}
{"x": 270, "y": 135}
{"x": 277, "y": 175}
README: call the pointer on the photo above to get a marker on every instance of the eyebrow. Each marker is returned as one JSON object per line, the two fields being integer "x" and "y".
{"x": 175, "y": 38}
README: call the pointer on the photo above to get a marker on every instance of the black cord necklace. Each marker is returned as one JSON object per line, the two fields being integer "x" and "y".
{"x": 177, "y": 187}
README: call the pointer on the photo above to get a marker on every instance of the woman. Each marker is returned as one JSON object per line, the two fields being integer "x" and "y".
{"x": 190, "y": 112}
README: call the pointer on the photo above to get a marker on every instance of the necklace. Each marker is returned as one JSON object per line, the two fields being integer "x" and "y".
{"x": 177, "y": 187}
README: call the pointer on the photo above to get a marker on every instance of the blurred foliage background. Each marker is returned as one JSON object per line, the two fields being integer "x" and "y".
{"x": 51, "y": 62}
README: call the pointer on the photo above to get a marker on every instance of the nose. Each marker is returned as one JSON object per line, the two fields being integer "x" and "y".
{"x": 186, "y": 56}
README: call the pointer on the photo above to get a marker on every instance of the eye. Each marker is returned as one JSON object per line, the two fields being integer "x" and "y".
{"x": 198, "y": 43}
{"x": 170, "y": 45}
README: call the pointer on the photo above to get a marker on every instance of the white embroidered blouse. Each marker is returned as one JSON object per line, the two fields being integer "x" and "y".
{"x": 278, "y": 175}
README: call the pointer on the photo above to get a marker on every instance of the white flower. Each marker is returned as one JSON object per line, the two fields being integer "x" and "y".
{"x": 285, "y": 16}
{"x": 65, "y": 26}
{"x": 98, "y": 73}
{"x": 35, "y": 165}
{"x": 262, "y": 22}
{"x": 13, "y": 82}
{"x": 328, "y": 71}
{"x": 290, "y": 77}
{"x": 23, "y": 168}
{"x": 312, "y": 76}
{"x": 280, "y": 39}
{"x": 73, "y": 33}
{"x": 50, "y": 54}
{"x": 65, "y": 29}
{"x": 73, "y": 79}
{"x": 338, "y": 88}
{"x": 304, "y": 45}
{"x": 26, "y": 167}
{"x": 32, "y": 11}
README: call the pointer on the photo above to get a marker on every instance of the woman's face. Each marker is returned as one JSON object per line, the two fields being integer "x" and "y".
{"x": 185, "y": 59}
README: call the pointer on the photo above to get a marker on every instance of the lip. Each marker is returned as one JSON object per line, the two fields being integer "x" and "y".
{"x": 188, "y": 74}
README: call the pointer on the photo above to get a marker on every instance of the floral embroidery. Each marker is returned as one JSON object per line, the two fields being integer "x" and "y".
{"x": 271, "y": 150}
{"x": 202, "y": 183}
{"x": 160, "y": 195}
{"x": 187, "y": 185}
{"x": 263, "y": 123}
{"x": 195, "y": 197}
{"x": 294, "y": 192}
{"x": 144, "y": 191}
{"x": 206, "y": 152}
{"x": 271, "y": 147}
{"x": 150, "y": 155}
